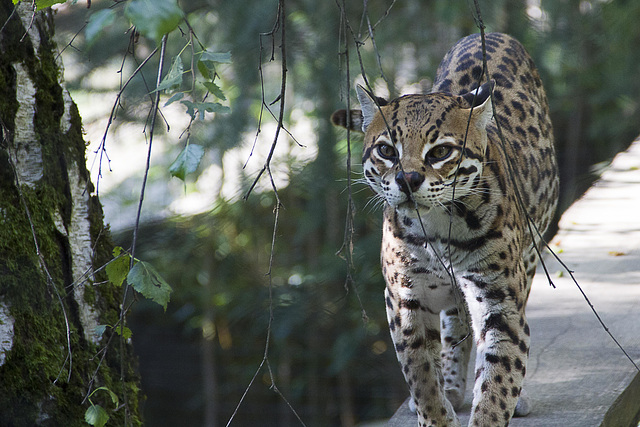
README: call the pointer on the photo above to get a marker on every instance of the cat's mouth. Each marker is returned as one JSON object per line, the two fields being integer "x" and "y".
{"x": 412, "y": 208}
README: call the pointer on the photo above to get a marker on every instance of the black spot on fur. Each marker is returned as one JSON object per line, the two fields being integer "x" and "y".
{"x": 410, "y": 304}
{"x": 417, "y": 343}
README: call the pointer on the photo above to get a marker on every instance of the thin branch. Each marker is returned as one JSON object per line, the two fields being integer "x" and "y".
{"x": 281, "y": 25}
{"x": 384, "y": 16}
{"x": 246, "y": 390}
{"x": 154, "y": 114}
{"x": 263, "y": 104}
{"x": 13, "y": 12}
{"x": 70, "y": 43}
{"x": 373, "y": 40}
{"x": 103, "y": 352}
{"x": 265, "y": 357}
{"x": 34, "y": 9}
{"x": 102, "y": 150}
{"x": 349, "y": 231}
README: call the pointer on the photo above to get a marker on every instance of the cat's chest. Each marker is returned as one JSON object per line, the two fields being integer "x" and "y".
{"x": 434, "y": 243}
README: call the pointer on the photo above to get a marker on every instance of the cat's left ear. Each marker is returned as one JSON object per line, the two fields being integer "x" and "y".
{"x": 480, "y": 100}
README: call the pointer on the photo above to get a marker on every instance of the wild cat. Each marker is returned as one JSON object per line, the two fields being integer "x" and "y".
{"x": 456, "y": 223}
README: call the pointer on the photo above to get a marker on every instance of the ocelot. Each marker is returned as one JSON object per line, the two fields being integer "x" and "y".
{"x": 463, "y": 218}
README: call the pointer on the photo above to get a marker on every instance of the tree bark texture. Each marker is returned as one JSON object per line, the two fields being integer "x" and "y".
{"x": 52, "y": 245}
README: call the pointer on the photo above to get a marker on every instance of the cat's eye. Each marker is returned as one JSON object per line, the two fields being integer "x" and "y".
{"x": 387, "y": 151}
{"x": 440, "y": 152}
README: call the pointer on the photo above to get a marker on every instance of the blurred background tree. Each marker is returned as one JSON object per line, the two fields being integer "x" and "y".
{"x": 214, "y": 248}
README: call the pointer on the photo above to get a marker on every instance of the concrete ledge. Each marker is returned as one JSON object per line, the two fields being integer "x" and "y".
{"x": 625, "y": 408}
{"x": 577, "y": 376}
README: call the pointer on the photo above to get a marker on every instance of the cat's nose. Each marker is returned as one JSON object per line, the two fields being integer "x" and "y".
{"x": 409, "y": 182}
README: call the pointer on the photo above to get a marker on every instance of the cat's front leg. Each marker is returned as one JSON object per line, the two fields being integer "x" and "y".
{"x": 456, "y": 339}
{"x": 501, "y": 333}
{"x": 416, "y": 335}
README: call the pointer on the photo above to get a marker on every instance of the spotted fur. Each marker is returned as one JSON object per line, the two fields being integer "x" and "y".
{"x": 455, "y": 237}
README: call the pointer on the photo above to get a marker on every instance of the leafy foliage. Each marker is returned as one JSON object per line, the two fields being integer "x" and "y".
{"x": 118, "y": 268}
{"x": 200, "y": 108}
{"x": 97, "y": 24}
{"x": 173, "y": 80}
{"x": 187, "y": 161}
{"x": 96, "y": 415}
{"x": 41, "y": 4}
{"x": 145, "y": 279}
{"x": 154, "y": 18}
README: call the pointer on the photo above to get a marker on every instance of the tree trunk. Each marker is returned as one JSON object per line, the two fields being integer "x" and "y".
{"x": 52, "y": 241}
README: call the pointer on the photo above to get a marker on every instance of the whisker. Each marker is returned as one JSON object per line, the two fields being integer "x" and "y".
{"x": 375, "y": 202}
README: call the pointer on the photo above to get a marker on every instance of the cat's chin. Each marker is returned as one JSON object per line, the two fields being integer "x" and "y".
{"x": 408, "y": 208}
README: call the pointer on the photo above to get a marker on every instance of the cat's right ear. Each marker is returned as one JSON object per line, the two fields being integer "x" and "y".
{"x": 339, "y": 118}
{"x": 360, "y": 119}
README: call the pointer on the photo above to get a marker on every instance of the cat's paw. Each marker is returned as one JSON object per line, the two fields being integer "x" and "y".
{"x": 412, "y": 406}
{"x": 456, "y": 397}
{"x": 523, "y": 407}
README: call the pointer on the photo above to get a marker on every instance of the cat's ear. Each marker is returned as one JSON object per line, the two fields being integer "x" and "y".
{"x": 359, "y": 119}
{"x": 480, "y": 100}
{"x": 340, "y": 118}
{"x": 367, "y": 105}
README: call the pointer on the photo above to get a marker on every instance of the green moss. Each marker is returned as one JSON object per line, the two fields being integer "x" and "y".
{"x": 35, "y": 375}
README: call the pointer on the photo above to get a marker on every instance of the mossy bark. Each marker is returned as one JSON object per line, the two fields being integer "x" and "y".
{"x": 52, "y": 241}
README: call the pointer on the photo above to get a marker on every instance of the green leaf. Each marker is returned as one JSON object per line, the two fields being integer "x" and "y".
{"x": 97, "y": 23}
{"x": 41, "y": 4}
{"x": 187, "y": 161}
{"x": 118, "y": 268}
{"x": 124, "y": 331}
{"x": 202, "y": 107}
{"x": 204, "y": 70}
{"x": 220, "y": 57}
{"x": 176, "y": 97}
{"x": 173, "y": 79}
{"x": 99, "y": 330}
{"x": 146, "y": 280}
{"x": 96, "y": 416}
{"x": 154, "y": 18}
{"x": 215, "y": 89}
{"x": 114, "y": 397}
{"x": 191, "y": 108}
